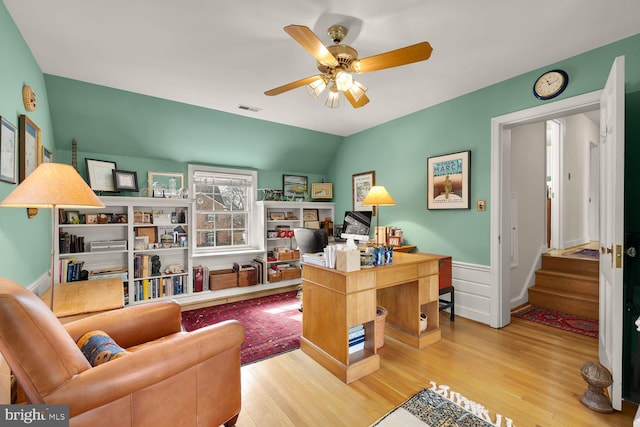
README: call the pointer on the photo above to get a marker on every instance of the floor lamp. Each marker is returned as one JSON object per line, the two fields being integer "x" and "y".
{"x": 378, "y": 196}
{"x": 52, "y": 185}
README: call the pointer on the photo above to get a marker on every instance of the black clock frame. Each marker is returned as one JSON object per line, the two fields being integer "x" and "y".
{"x": 562, "y": 88}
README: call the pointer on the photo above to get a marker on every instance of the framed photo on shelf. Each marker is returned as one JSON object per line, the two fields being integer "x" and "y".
{"x": 322, "y": 190}
{"x": 8, "y": 146}
{"x": 30, "y": 146}
{"x": 125, "y": 180}
{"x": 294, "y": 187}
{"x": 394, "y": 240}
{"x": 73, "y": 217}
{"x": 100, "y": 174}
{"x": 310, "y": 215}
{"x": 91, "y": 218}
{"x": 361, "y": 184}
{"x": 448, "y": 181}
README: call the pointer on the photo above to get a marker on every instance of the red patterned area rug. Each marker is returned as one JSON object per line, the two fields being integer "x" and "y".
{"x": 272, "y": 324}
{"x": 556, "y": 319}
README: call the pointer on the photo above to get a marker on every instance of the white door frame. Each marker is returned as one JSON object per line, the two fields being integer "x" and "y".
{"x": 500, "y": 310}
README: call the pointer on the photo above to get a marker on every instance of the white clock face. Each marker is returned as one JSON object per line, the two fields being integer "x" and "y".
{"x": 550, "y": 84}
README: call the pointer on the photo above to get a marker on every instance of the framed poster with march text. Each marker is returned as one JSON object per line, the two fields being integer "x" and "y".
{"x": 448, "y": 181}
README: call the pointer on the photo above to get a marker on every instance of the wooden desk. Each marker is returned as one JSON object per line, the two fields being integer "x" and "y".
{"x": 334, "y": 301}
{"x": 75, "y": 300}
{"x": 404, "y": 248}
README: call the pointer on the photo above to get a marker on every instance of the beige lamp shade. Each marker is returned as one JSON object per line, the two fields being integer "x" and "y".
{"x": 378, "y": 196}
{"x": 53, "y": 185}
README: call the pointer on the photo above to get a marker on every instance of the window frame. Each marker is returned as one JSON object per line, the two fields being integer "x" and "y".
{"x": 251, "y": 244}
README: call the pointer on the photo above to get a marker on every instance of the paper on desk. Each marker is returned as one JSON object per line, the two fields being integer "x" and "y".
{"x": 330, "y": 256}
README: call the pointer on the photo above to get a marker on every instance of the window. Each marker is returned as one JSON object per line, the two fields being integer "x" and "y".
{"x": 224, "y": 200}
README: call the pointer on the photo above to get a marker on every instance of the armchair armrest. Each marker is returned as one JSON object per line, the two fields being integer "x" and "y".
{"x": 133, "y": 325}
{"x": 149, "y": 365}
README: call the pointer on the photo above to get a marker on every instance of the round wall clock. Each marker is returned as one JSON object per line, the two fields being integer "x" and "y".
{"x": 28, "y": 98}
{"x": 550, "y": 84}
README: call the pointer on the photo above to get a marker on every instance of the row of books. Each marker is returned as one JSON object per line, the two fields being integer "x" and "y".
{"x": 71, "y": 270}
{"x": 159, "y": 287}
{"x": 70, "y": 243}
{"x": 200, "y": 278}
{"x": 142, "y": 266}
{"x": 356, "y": 338}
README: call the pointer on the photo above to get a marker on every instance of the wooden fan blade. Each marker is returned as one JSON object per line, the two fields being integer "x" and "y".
{"x": 403, "y": 56}
{"x": 312, "y": 44}
{"x": 356, "y": 104}
{"x": 292, "y": 85}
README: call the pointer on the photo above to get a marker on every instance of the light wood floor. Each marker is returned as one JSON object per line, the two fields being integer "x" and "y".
{"x": 527, "y": 372}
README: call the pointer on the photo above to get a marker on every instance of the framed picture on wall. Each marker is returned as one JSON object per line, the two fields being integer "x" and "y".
{"x": 294, "y": 187}
{"x": 8, "y": 140}
{"x": 100, "y": 174}
{"x": 360, "y": 186}
{"x": 448, "y": 181}
{"x": 30, "y": 146}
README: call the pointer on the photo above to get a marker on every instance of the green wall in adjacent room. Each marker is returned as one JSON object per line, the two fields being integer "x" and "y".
{"x": 25, "y": 243}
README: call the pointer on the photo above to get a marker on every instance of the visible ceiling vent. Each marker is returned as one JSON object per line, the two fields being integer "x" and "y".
{"x": 249, "y": 108}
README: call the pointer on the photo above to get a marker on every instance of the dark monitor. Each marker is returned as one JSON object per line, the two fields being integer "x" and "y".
{"x": 356, "y": 225}
{"x": 311, "y": 241}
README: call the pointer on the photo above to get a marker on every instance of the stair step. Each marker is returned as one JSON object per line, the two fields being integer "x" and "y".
{"x": 578, "y": 283}
{"x": 571, "y": 265}
{"x": 580, "y": 304}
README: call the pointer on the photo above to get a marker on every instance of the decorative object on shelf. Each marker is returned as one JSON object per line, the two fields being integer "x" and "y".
{"x": 394, "y": 240}
{"x": 74, "y": 154}
{"x": 550, "y": 84}
{"x": 28, "y": 98}
{"x": 165, "y": 184}
{"x": 30, "y": 146}
{"x": 100, "y": 175}
{"x": 294, "y": 187}
{"x": 360, "y": 186}
{"x": 125, "y": 180}
{"x": 53, "y": 185}
{"x": 277, "y": 216}
{"x": 155, "y": 265}
{"x": 7, "y": 151}
{"x": 310, "y": 214}
{"x": 321, "y": 190}
{"x": 423, "y": 322}
{"x": 449, "y": 181}
{"x": 378, "y": 196}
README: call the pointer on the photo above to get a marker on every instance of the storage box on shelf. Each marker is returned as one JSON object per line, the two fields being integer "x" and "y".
{"x": 278, "y": 220}
{"x": 122, "y": 240}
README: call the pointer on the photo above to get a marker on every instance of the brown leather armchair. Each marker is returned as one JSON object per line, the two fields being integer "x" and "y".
{"x": 170, "y": 378}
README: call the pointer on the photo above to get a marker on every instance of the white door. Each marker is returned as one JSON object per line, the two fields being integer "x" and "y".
{"x": 611, "y": 226}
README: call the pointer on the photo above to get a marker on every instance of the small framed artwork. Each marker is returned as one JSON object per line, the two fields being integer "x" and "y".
{"x": 125, "y": 180}
{"x": 46, "y": 156}
{"x": 8, "y": 146}
{"x": 294, "y": 187}
{"x": 322, "y": 190}
{"x": 151, "y": 232}
{"x": 91, "y": 218}
{"x": 361, "y": 184}
{"x": 100, "y": 174}
{"x": 277, "y": 216}
{"x": 310, "y": 214}
{"x": 30, "y": 146}
{"x": 448, "y": 181}
{"x": 73, "y": 217}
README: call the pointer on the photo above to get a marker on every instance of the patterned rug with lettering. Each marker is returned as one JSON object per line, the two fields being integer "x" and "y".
{"x": 559, "y": 320}
{"x": 439, "y": 406}
{"x": 272, "y": 324}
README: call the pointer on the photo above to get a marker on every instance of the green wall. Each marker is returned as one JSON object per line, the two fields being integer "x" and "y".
{"x": 25, "y": 244}
{"x": 398, "y": 151}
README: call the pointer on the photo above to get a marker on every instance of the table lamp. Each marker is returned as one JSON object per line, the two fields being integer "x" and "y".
{"x": 52, "y": 185}
{"x": 378, "y": 196}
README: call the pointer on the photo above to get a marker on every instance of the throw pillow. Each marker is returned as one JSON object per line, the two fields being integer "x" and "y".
{"x": 98, "y": 347}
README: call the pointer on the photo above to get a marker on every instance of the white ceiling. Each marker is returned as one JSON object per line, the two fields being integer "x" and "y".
{"x": 221, "y": 55}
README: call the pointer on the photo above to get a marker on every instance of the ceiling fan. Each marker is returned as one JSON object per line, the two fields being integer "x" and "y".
{"x": 338, "y": 62}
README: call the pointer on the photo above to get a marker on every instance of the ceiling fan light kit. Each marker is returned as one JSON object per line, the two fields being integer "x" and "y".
{"x": 336, "y": 64}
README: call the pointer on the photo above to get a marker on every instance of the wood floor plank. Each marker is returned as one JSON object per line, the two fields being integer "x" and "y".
{"x": 527, "y": 372}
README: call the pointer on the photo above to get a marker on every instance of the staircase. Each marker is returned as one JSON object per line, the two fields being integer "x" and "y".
{"x": 569, "y": 285}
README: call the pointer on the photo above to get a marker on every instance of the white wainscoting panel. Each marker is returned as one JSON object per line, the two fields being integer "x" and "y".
{"x": 472, "y": 284}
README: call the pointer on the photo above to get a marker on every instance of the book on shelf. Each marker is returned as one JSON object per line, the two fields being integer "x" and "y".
{"x": 109, "y": 273}
{"x": 356, "y": 347}
{"x": 198, "y": 278}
